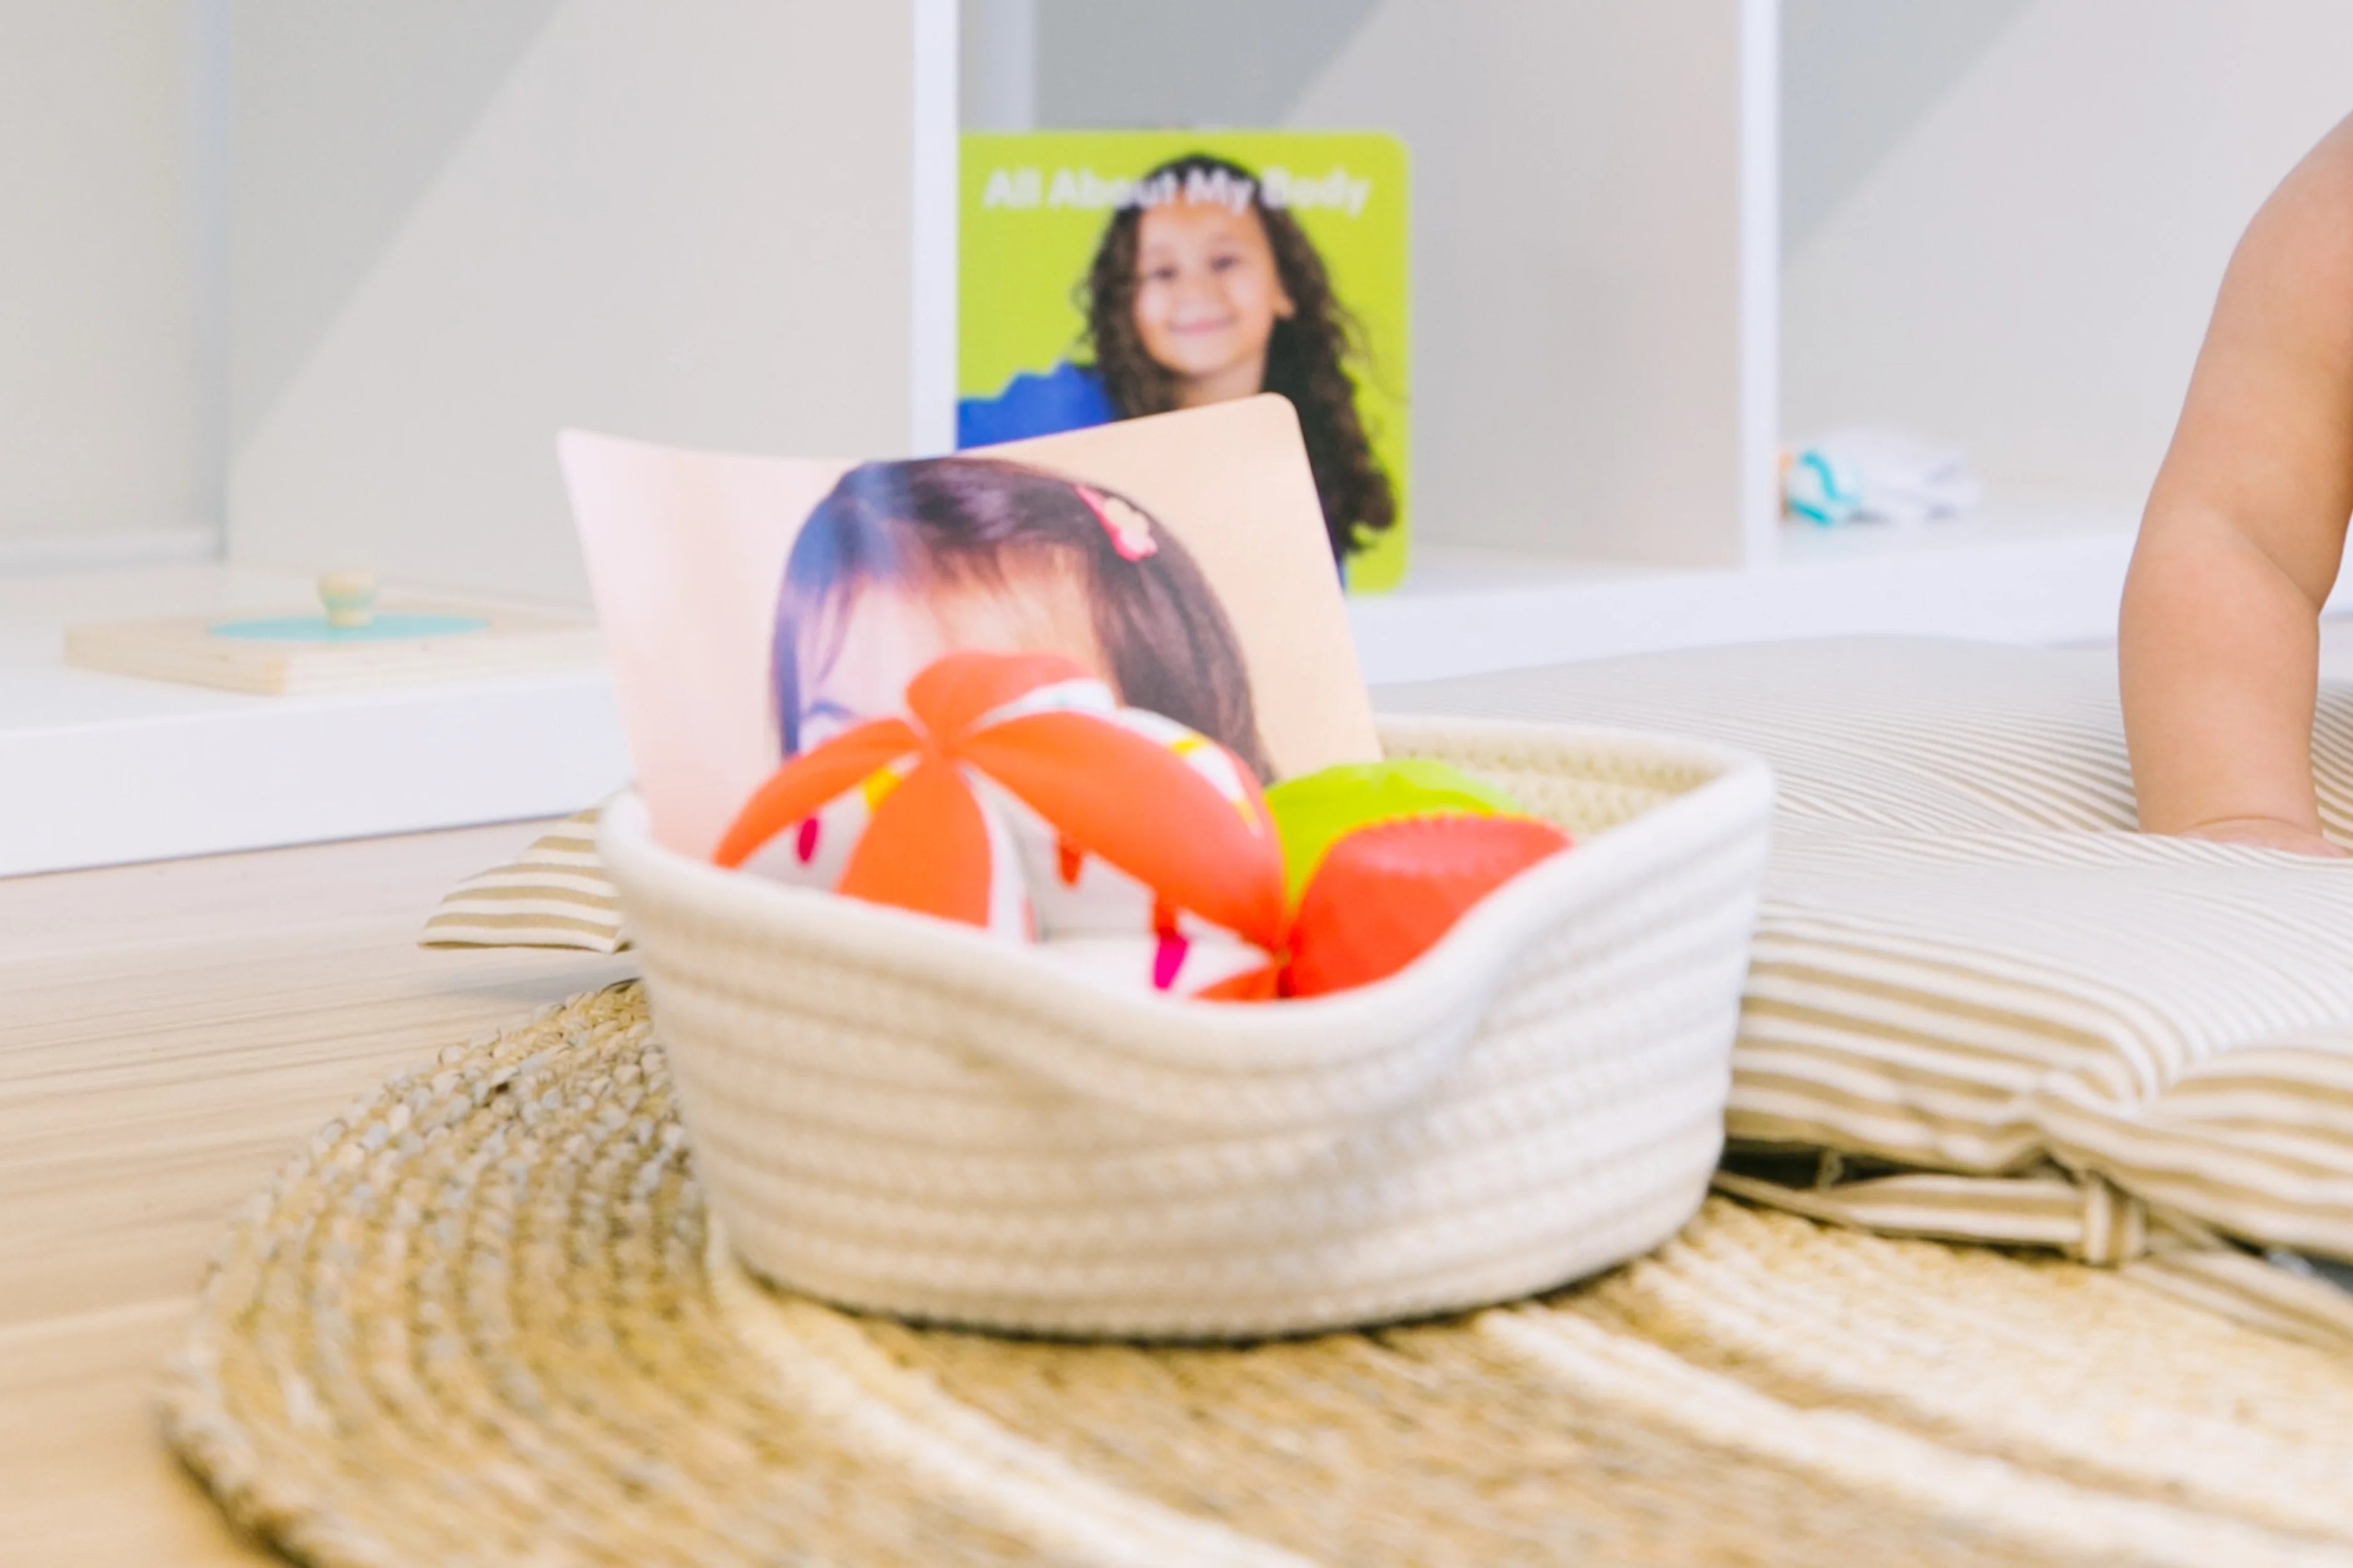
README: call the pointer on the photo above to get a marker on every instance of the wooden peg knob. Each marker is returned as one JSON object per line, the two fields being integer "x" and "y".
{"x": 349, "y": 598}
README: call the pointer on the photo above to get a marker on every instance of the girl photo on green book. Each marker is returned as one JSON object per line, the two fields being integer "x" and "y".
{"x": 1108, "y": 275}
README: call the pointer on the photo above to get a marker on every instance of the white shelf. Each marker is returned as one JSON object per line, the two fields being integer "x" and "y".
{"x": 2030, "y": 572}
{"x": 2011, "y": 517}
{"x": 102, "y": 770}
{"x": 2028, "y": 569}
{"x": 97, "y": 769}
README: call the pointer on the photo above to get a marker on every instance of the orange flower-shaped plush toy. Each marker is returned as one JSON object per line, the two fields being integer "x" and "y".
{"x": 1019, "y": 798}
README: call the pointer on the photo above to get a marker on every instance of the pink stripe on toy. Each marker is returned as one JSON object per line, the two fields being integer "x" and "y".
{"x": 1168, "y": 960}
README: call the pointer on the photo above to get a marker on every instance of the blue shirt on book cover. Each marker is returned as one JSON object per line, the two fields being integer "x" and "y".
{"x": 1067, "y": 397}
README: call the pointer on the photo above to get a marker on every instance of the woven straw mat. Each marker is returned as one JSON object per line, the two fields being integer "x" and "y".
{"x": 482, "y": 1320}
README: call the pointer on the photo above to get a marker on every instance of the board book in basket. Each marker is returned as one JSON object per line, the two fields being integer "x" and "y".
{"x": 1181, "y": 557}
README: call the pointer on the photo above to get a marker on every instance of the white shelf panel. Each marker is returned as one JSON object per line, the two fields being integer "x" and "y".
{"x": 100, "y": 770}
{"x": 89, "y": 552}
{"x": 1468, "y": 614}
{"x": 104, "y": 770}
{"x": 2011, "y": 517}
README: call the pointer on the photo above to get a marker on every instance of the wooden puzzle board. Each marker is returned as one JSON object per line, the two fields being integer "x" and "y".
{"x": 297, "y": 653}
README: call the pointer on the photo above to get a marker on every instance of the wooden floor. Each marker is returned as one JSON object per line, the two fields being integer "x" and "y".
{"x": 169, "y": 1034}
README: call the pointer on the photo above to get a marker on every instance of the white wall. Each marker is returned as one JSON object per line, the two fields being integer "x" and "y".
{"x": 2028, "y": 268}
{"x": 342, "y": 114}
{"x": 1140, "y": 64}
{"x": 1578, "y": 249}
{"x": 101, "y": 429}
{"x": 998, "y": 66}
{"x": 1858, "y": 74}
{"x": 683, "y": 221}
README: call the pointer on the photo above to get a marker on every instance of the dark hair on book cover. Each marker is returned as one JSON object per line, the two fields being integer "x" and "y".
{"x": 1307, "y": 358}
{"x": 932, "y": 522}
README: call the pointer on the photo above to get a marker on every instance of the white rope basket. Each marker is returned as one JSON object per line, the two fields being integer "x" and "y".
{"x": 896, "y": 1114}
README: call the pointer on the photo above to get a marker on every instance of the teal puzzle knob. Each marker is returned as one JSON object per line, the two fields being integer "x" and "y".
{"x": 349, "y": 597}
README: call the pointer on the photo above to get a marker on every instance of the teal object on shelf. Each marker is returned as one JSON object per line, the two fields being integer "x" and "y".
{"x": 391, "y": 627}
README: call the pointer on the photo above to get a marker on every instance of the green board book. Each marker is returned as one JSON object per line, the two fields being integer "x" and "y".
{"x": 1110, "y": 274}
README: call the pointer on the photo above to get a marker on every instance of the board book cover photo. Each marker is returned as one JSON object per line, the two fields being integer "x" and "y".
{"x": 1112, "y": 275}
{"x": 754, "y": 607}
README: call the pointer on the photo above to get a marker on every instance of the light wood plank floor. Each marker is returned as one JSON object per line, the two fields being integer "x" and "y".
{"x": 169, "y": 1034}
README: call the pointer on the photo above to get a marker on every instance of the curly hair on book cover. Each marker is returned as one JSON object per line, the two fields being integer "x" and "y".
{"x": 1310, "y": 348}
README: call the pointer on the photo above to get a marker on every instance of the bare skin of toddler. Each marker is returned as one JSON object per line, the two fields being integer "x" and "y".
{"x": 2245, "y": 532}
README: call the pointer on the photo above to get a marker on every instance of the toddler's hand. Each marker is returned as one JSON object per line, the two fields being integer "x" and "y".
{"x": 2266, "y": 833}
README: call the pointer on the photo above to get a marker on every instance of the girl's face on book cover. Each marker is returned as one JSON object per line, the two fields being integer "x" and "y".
{"x": 898, "y": 629}
{"x": 1206, "y": 292}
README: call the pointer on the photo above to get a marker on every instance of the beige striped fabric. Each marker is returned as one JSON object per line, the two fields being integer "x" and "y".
{"x": 2088, "y": 1219}
{"x": 555, "y": 894}
{"x": 1968, "y": 967}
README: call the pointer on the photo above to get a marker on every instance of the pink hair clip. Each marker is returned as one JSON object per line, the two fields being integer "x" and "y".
{"x": 1130, "y": 530}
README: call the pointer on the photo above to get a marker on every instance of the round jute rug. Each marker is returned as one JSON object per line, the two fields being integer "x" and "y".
{"x": 482, "y": 1320}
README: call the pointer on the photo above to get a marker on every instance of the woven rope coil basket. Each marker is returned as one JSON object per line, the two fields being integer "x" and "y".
{"x": 897, "y": 1115}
